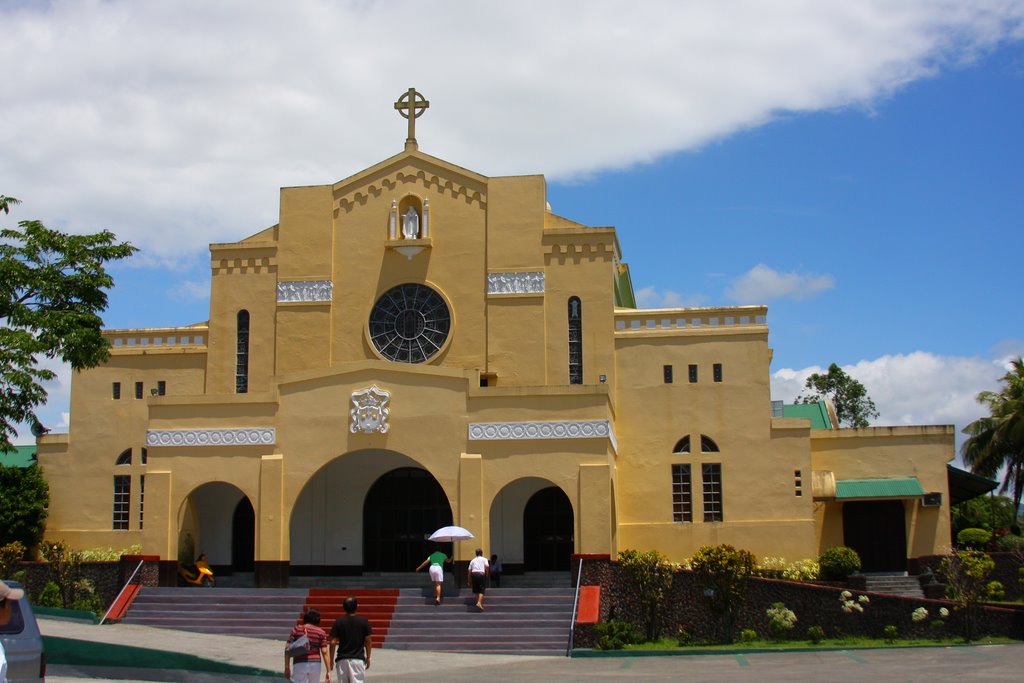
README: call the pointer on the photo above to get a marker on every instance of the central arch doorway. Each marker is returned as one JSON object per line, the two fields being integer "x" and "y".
{"x": 548, "y": 541}
{"x": 401, "y": 509}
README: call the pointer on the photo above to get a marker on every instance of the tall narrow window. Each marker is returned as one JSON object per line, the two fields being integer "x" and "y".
{"x": 667, "y": 370}
{"x": 693, "y": 374}
{"x": 115, "y": 391}
{"x": 122, "y": 497}
{"x": 161, "y": 388}
{"x": 717, "y": 371}
{"x": 142, "y": 497}
{"x": 575, "y": 341}
{"x": 682, "y": 494}
{"x": 138, "y": 390}
{"x": 242, "y": 354}
{"x": 711, "y": 474}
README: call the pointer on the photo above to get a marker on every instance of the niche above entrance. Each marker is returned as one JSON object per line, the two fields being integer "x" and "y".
{"x": 409, "y": 225}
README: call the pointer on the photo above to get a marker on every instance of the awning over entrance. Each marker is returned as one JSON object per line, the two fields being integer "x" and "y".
{"x": 964, "y": 485}
{"x": 905, "y": 487}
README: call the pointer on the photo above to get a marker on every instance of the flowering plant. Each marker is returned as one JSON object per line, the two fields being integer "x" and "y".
{"x": 848, "y": 604}
{"x": 919, "y": 614}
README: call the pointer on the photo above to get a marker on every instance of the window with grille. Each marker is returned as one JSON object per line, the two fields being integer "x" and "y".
{"x": 716, "y": 370}
{"x": 683, "y": 445}
{"x": 682, "y": 494}
{"x": 711, "y": 474}
{"x": 242, "y": 354}
{"x": 138, "y": 390}
{"x": 142, "y": 497}
{"x": 161, "y": 388}
{"x": 125, "y": 458}
{"x": 668, "y": 374}
{"x": 693, "y": 374}
{"x": 575, "y": 341}
{"x": 122, "y": 498}
{"x": 115, "y": 391}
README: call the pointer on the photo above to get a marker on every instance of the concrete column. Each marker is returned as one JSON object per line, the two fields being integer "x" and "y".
{"x": 594, "y": 510}
{"x": 471, "y": 513}
{"x": 160, "y": 526}
{"x": 271, "y": 560}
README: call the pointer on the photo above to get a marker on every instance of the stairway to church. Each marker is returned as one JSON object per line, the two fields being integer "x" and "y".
{"x": 898, "y": 584}
{"x": 257, "y": 613}
{"x": 515, "y": 621}
{"x": 377, "y": 605}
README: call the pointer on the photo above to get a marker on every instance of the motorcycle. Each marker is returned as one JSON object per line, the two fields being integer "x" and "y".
{"x": 196, "y": 574}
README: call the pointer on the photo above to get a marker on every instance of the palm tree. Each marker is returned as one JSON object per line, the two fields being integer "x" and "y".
{"x": 997, "y": 440}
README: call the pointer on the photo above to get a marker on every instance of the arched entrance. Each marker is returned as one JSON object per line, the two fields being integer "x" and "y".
{"x": 401, "y": 509}
{"x": 548, "y": 539}
{"x": 877, "y": 530}
{"x": 210, "y": 522}
{"x": 243, "y": 537}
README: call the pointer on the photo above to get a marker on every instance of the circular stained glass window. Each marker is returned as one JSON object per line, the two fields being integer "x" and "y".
{"x": 409, "y": 323}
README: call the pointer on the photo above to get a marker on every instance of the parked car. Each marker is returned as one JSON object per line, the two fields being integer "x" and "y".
{"x": 23, "y": 643}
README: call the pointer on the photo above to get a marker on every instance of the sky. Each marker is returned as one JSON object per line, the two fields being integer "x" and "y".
{"x": 857, "y": 167}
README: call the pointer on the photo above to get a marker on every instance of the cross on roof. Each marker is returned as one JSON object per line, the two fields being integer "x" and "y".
{"x": 411, "y": 106}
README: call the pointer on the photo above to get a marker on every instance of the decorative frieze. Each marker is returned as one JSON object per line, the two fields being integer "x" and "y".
{"x": 305, "y": 290}
{"x": 522, "y": 431}
{"x": 247, "y": 436}
{"x": 529, "y": 282}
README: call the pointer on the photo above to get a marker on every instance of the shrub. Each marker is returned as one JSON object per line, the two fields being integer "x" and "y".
{"x": 86, "y": 598}
{"x": 891, "y": 633}
{"x": 975, "y": 539}
{"x": 615, "y": 635}
{"x": 966, "y": 573}
{"x": 938, "y": 628}
{"x": 919, "y": 614}
{"x": 50, "y": 597}
{"x": 838, "y": 563}
{"x": 816, "y": 634}
{"x": 748, "y": 635}
{"x": 780, "y": 621}
{"x": 802, "y": 570}
{"x": 994, "y": 591}
{"x": 683, "y": 636}
{"x": 723, "y": 572}
{"x": 653, "y": 574}
{"x": 10, "y": 555}
{"x": 1010, "y": 543}
{"x": 108, "y": 554}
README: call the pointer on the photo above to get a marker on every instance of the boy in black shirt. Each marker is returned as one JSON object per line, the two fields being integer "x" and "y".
{"x": 350, "y": 635}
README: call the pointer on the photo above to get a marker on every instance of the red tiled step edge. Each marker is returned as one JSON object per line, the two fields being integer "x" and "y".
{"x": 376, "y": 604}
{"x": 589, "y": 609}
{"x": 123, "y": 602}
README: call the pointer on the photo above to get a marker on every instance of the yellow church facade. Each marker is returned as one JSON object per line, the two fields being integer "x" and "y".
{"x": 420, "y": 345}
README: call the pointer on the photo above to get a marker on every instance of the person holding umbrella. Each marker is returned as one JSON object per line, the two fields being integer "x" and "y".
{"x": 435, "y": 561}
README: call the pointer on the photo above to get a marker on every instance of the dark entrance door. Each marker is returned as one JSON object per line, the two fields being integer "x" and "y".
{"x": 402, "y": 508}
{"x": 243, "y": 536}
{"x": 876, "y": 529}
{"x": 548, "y": 526}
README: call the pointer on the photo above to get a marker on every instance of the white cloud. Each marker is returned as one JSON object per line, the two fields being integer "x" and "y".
{"x": 175, "y": 123}
{"x": 918, "y": 388}
{"x": 190, "y": 290}
{"x": 54, "y": 413}
{"x": 650, "y": 297}
{"x": 761, "y": 284}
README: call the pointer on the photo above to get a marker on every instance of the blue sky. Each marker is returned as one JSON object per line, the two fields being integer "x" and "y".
{"x": 859, "y": 169}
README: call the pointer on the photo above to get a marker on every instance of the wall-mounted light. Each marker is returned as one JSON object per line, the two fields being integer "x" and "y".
{"x": 602, "y": 379}
{"x": 152, "y": 392}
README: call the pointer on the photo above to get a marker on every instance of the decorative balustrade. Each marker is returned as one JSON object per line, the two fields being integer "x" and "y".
{"x": 690, "y": 318}
{"x": 158, "y": 338}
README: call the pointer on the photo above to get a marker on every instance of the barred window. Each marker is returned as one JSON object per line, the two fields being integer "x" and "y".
{"x": 142, "y": 497}
{"x": 242, "y": 354}
{"x": 138, "y": 390}
{"x": 716, "y": 370}
{"x": 122, "y": 498}
{"x": 575, "y": 341}
{"x": 682, "y": 494}
{"x": 115, "y": 391}
{"x": 711, "y": 474}
{"x": 125, "y": 458}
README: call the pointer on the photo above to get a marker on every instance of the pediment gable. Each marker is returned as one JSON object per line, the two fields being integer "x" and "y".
{"x": 410, "y": 166}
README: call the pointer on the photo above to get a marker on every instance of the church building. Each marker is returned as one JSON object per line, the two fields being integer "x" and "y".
{"x": 420, "y": 345}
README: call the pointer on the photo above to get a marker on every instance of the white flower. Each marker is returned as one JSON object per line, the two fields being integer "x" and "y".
{"x": 846, "y": 595}
{"x": 858, "y": 607}
{"x": 919, "y": 614}
{"x": 864, "y": 599}
{"x": 943, "y": 612}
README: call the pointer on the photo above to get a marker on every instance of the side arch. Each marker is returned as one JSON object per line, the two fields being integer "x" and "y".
{"x": 522, "y": 545}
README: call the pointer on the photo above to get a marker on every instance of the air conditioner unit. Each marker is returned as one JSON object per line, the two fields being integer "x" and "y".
{"x": 932, "y": 500}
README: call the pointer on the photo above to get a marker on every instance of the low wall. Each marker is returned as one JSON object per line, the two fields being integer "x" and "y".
{"x": 108, "y": 577}
{"x": 1006, "y": 571}
{"x": 814, "y": 605}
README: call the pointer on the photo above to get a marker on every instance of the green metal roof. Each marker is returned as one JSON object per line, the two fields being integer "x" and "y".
{"x": 817, "y": 413}
{"x": 23, "y": 456}
{"x": 624, "y": 288}
{"x": 907, "y": 487}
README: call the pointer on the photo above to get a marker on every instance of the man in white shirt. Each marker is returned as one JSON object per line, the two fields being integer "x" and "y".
{"x": 479, "y": 568}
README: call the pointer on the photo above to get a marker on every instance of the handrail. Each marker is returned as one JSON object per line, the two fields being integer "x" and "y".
{"x": 575, "y": 602}
{"x": 121, "y": 592}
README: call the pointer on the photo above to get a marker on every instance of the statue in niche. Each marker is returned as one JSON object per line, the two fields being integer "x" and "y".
{"x": 411, "y": 224}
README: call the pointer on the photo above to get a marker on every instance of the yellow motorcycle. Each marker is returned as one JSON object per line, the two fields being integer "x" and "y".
{"x": 197, "y": 574}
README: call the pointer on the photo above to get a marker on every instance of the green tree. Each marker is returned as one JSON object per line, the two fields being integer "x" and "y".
{"x": 966, "y": 575}
{"x": 25, "y": 497}
{"x": 849, "y": 397}
{"x": 996, "y": 442}
{"x": 984, "y": 512}
{"x": 652, "y": 573}
{"x": 52, "y": 289}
